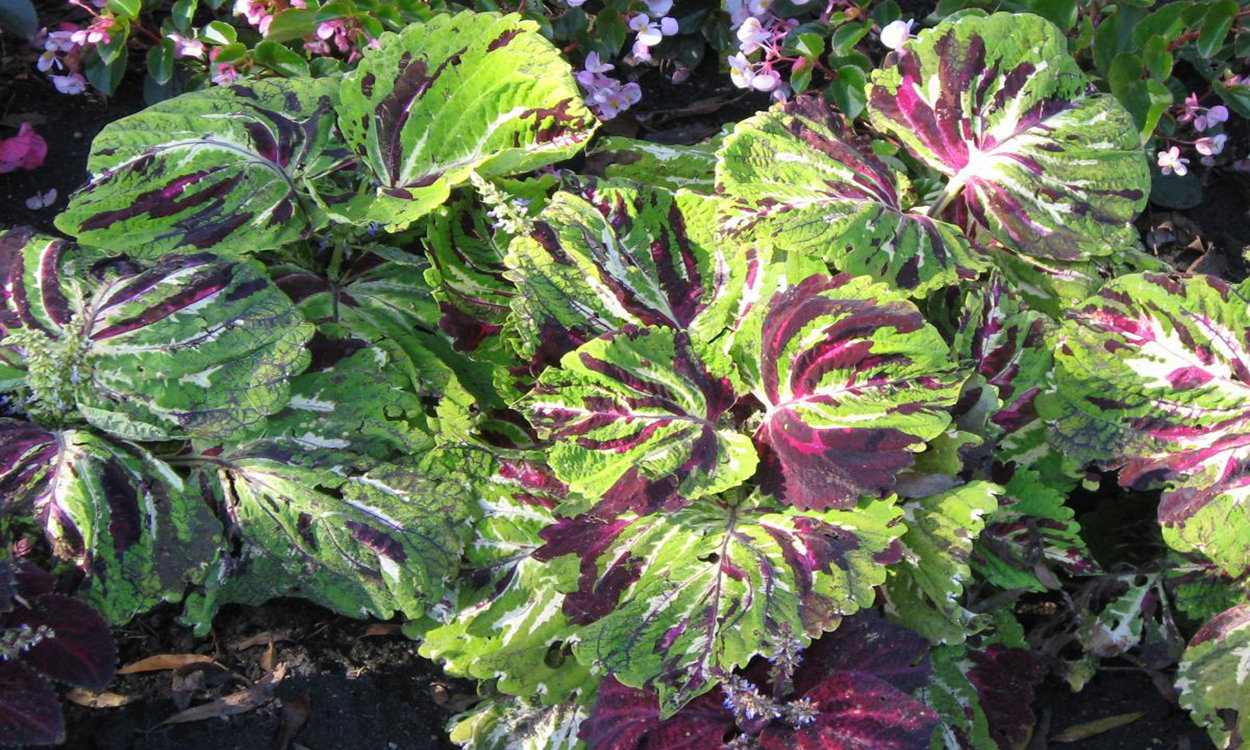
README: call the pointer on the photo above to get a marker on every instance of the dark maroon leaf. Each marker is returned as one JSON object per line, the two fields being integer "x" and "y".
{"x": 1005, "y": 678}
{"x": 29, "y": 711}
{"x": 870, "y": 644}
{"x": 856, "y": 711}
{"x": 624, "y": 718}
{"x": 82, "y": 651}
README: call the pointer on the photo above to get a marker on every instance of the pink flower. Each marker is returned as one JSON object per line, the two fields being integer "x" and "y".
{"x": 96, "y": 33}
{"x": 184, "y": 47}
{"x": 226, "y": 73}
{"x": 1192, "y": 108}
{"x": 1214, "y": 116}
{"x": 73, "y": 83}
{"x": 26, "y": 150}
{"x": 1211, "y": 145}
{"x": 1169, "y": 161}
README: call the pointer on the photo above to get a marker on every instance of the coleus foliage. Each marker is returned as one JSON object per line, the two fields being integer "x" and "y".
{"x": 605, "y": 443}
{"x": 45, "y": 637}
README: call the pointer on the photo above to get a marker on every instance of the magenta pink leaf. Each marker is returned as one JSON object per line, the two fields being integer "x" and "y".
{"x": 26, "y": 150}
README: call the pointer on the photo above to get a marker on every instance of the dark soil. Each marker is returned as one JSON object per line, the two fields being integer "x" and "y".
{"x": 363, "y": 692}
{"x": 1162, "y": 726}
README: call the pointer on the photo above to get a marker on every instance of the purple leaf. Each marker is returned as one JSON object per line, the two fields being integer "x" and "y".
{"x": 854, "y": 382}
{"x": 856, "y": 711}
{"x": 29, "y": 711}
{"x": 1005, "y": 678}
{"x": 624, "y": 718}
{"x": 82, "y": 651}
{"x": 870, "y": 644}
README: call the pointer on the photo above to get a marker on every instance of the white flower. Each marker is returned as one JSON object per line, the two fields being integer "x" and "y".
{"x": 59, "y": 41}
{"x": 740, "y": 71}
{"x": 576, "y": 3}
{"x": 1169, "y": 161}
{"x": 595, "y": 65}
{"x": 752, "y": 35}
{"x": 651, "y": 34}
{"x": 47, "y": 61}
{"x": 896, "y": 33}
{"x": 760, "y": 7}
{"x": 185, "y": 47}
{"x": 738, "y": 12}
{"x": 37, "y": 201}
{"x": 659, "y": 7}
{"x": 1211, "y": 145}
{"x": 70, "y": 84}
{"x": 641, "y": 50}
{"x": 766, "y": 80}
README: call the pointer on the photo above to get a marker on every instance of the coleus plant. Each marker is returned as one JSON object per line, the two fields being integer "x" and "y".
{"x": 603, "y": 443}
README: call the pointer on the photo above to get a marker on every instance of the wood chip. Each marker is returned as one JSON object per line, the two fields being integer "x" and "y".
{"x": 237, "y": 703}
{"x": 382, "y": 628}
{"x": 165, "y": 661}
{"x": 260, "y": 639}
{"x": 98, "y": 700}
{"x": 1089, "y": 729}
{"x": 268, "y": 658}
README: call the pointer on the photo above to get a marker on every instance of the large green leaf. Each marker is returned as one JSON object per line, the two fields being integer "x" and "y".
{"x": 356, "y": 395}
{"x": 670, "y": 166}
{"x": 1214, "y": 677}
{"x": 801, "y": 178}
{"x": 1153, "y": 379}
{"x": 120, "y": 514}
{"x": 367, "y": 544}
{"x": 509, "y": 624}
{"x": 228, "y": 168}
{"x": 998, "y": 105}
{"x": 195, "y": 345}
{"x": 854, "y": 383}
{"x": 506, "y": 723}
{"x": 608, "y": 255}
{"x": 704, "y": 589}
{"x": 473, "y": 92}
{"x": 925, "y": 590}
{"x": 636, "y": 417}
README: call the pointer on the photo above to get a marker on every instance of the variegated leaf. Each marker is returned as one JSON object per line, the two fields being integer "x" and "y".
{"x": 669, "y": 602}
{"x": 507, "y": 723}
{"x": 472, "y": 92}
{"x": 800, "y": 177}
{"x": 117, "y": 512}
{"x": 854, "y": 382}
{"x": 1036, "y": 157}
{"x": 227, "y": 168}
{"x": 638, "y": 419}
{"x": 602, "y": 256}
{"x": 367, "y": 544}
{"x": 1214, "y": 677}
{"x": 670, "y": 166}
{"x": 509, "y": 624}
{"x": 195, "y": 345}
{"x": 1153, "y": 379}
{"x": 925, "y": 590}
